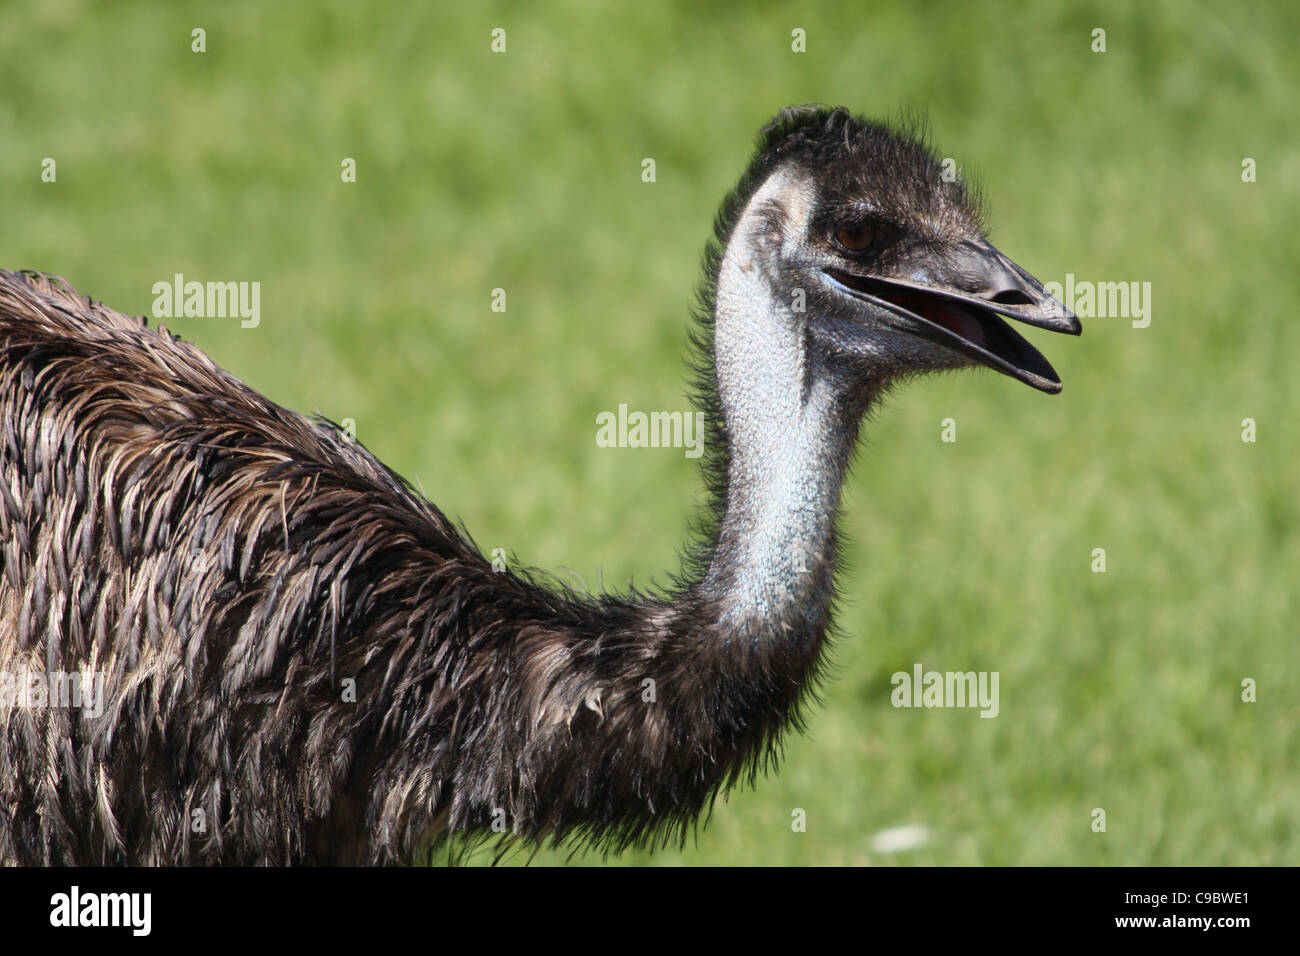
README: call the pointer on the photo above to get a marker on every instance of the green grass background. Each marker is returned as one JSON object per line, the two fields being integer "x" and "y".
{"x": 522, "y": 171}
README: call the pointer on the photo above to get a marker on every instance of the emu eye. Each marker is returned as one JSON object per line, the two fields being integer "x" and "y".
{"x": 859, "y": 237}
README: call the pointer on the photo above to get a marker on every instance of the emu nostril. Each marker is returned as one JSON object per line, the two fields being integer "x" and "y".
{"x": 1012, "y": 297}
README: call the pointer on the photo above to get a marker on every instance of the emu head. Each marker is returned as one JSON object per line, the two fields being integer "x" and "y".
{"x": 855, "y": 236}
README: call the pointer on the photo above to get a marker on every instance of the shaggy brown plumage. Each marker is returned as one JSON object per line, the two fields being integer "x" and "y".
{"x": 228, "y": 563}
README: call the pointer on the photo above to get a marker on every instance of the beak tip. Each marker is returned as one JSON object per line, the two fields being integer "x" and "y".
{"x": 1065, "y": 319}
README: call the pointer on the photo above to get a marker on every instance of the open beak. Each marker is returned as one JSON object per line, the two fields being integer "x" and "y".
{"x": 958, "y": 304}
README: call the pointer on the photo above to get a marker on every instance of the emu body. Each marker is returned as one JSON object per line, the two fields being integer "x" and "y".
{"x": 303, "y": 661}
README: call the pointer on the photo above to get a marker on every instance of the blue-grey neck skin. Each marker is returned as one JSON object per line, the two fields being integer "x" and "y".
{"x": 791, "y": 419}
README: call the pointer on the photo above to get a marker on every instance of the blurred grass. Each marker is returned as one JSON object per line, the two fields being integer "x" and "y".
{"x": 522, "y": 171}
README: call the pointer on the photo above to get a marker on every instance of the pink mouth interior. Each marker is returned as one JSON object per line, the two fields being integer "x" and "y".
{"x": 941, "y": 312}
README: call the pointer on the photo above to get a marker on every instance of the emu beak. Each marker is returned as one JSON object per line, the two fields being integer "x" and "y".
{"x": 955, "y": 301}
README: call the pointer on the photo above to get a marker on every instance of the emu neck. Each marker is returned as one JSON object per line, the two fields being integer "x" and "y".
{"x": 791, "y": 422}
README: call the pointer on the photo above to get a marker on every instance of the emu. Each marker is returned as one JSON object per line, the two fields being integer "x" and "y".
{"x": 303, "y": 661}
